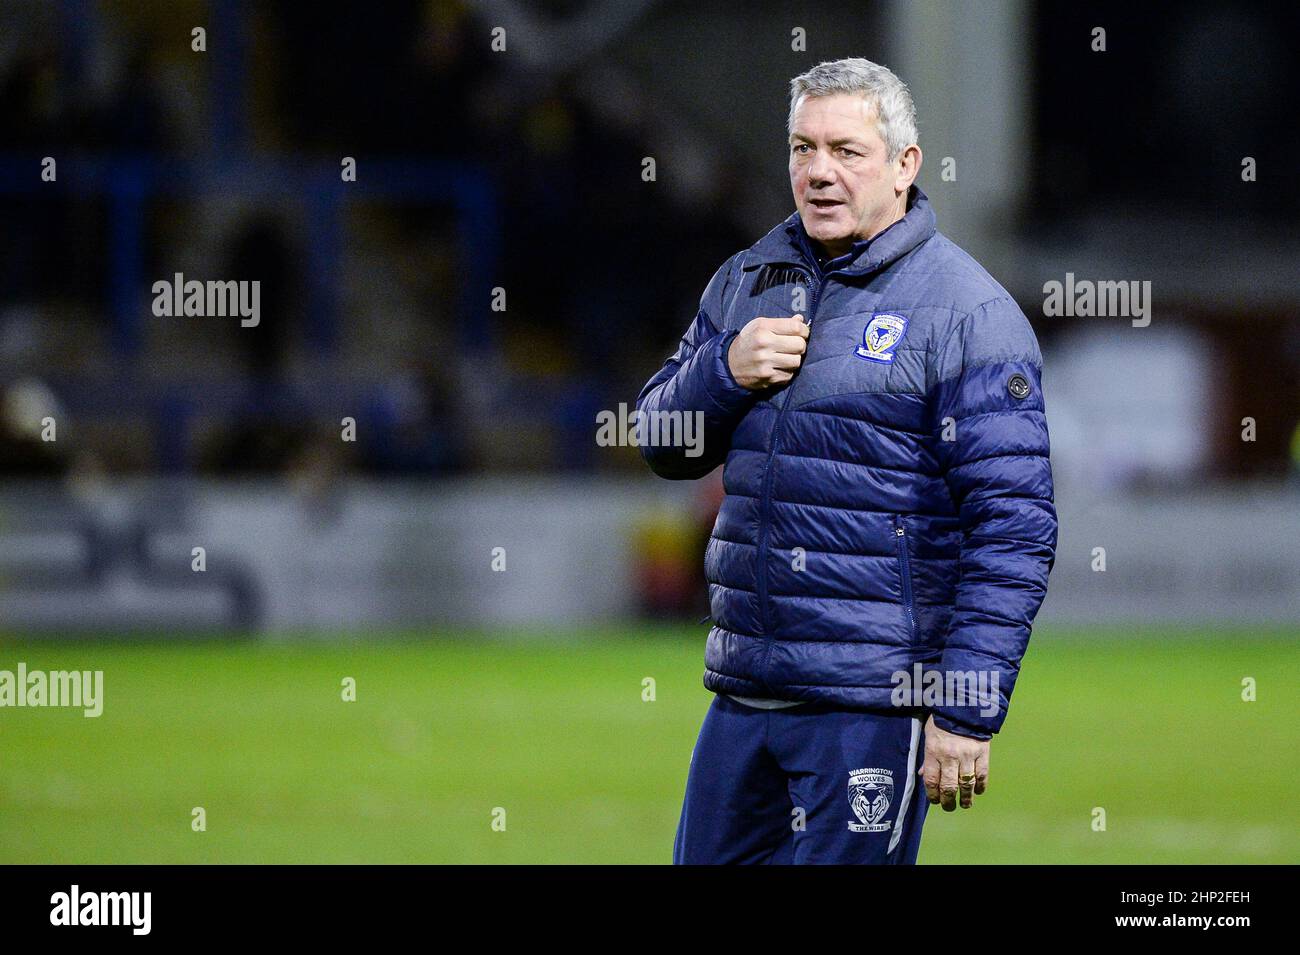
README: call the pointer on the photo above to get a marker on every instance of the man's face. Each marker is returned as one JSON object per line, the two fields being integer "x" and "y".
{"x": 844, "y": 186}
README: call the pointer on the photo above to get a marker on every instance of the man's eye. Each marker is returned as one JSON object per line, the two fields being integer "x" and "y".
{"x": 799, "y": 146}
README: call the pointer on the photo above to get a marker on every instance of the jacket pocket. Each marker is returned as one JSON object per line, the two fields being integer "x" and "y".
{"x": 905, "y": 572}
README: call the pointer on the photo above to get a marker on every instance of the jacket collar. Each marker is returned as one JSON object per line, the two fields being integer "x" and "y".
{"x": 788, "y": 243}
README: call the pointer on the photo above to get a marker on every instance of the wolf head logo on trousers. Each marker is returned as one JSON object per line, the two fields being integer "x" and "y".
{"x": 870, "y": 793}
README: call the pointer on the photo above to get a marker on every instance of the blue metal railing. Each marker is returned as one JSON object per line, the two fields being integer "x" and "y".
{"x": 130, "y": 183}
{"x": 227, "y": 167}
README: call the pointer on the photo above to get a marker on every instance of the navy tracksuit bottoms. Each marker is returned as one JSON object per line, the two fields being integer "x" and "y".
{"x": 806, "y": 784}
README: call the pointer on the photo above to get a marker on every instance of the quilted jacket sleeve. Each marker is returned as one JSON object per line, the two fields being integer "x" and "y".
{"x": 993, "y": 449}
{"x": 697, "y": 379}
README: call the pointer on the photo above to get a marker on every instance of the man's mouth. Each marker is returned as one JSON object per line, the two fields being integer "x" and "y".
{"x": 824, "y": 203}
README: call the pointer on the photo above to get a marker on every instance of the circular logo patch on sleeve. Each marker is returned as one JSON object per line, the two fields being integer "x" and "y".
{"x": 1018, "y": 385}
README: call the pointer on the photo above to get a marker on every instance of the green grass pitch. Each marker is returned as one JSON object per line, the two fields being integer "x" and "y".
{"x": 1147, "y": 725}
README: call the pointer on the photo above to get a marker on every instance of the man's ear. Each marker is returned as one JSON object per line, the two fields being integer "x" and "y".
{"x": 909, "y": 167}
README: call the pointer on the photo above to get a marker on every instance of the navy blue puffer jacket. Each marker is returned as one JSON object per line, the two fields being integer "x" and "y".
{"x": 891, "y": 505}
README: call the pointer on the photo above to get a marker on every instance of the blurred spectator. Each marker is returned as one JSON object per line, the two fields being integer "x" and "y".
{"x": 27, "y": 408}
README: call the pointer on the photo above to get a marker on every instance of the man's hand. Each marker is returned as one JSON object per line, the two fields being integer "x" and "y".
{"x": 767, "y": 352}
{"x": 955, "y": 766}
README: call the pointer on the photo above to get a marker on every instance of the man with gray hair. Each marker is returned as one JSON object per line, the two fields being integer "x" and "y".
{"x": 888, "y": 526}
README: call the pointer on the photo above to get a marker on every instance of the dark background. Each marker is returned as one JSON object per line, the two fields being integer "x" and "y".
{"x": 521, "y": 170}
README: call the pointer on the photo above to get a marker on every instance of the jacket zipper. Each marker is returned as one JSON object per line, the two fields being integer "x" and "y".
{"x": 766, "y": 500}
{"x": 905, "y": 572}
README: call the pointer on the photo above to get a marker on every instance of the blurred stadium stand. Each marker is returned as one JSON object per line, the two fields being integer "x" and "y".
{"x": 521, "y": 171}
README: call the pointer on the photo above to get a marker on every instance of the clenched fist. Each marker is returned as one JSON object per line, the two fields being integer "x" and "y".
{"x": 767, "y": 351}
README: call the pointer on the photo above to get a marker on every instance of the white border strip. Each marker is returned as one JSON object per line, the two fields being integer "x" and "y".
{"x": 908, "y": 786}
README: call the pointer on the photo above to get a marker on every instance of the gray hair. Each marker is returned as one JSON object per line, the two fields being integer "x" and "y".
{"x": 895, "y": 112}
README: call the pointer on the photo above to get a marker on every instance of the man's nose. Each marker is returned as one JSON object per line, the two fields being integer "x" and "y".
{"x": 821, "y": 171}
